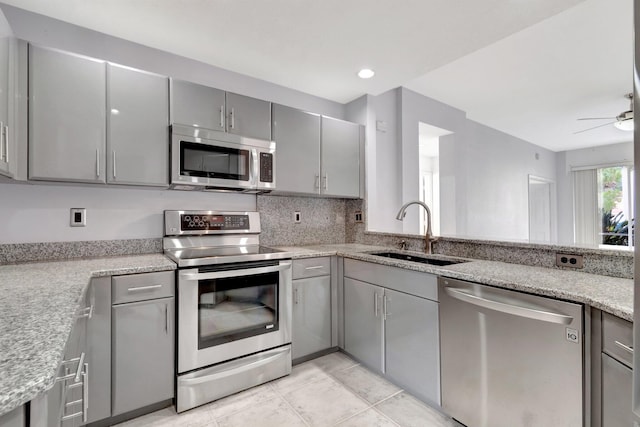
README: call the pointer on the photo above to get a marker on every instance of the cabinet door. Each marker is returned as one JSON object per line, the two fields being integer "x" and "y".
{"x": 363, "y": 322}
{"x": 248, "y": 117}
{"x": 138, "y": 131}
{"x": 340, "y": 158}
{"x": 66, "y": 116}
{"x": 412, "y": 353}
{"x": 142, "y": 354}
{"x": 311, "y": 315}
{"x": 197, "y": 105}
{"x": 297, "y": 137}
{"x": 5, "y": 105}
{"x": 616, "y": 393}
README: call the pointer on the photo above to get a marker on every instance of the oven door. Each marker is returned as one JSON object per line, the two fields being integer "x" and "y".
{"x": 229, "y": 311}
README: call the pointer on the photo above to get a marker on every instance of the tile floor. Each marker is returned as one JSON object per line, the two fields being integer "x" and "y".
{"x": 332, "y": 390}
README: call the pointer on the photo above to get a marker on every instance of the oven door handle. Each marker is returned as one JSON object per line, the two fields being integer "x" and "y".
{"x": 234, "y": 273}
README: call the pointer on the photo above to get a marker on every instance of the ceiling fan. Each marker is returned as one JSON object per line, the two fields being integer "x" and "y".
{"x": 623, "y": 121}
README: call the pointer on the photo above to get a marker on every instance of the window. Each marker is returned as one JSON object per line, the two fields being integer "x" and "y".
{"x": 615, "y": 205}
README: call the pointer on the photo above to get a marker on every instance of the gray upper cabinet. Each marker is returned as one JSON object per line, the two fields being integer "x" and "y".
{"x": 197, "y": 105}
{"x": 249, "y": 117}
{"x": 316, "y": 154}
{"x": 210, "y": 108}
{"x": 66, "y": 116}
{"x": 138, "y": 127}
{"x": 297, "y": 136}
{"x": 7, "y": 143}
{"x": 340, "y": 158}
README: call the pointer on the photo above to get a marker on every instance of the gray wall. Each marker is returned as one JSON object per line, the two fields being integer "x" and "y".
{"x": 483, "y": 172}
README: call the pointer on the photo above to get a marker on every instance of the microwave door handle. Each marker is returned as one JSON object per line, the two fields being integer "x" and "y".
{"x": 255, "y": 168}
{"x": 234, "y": 273}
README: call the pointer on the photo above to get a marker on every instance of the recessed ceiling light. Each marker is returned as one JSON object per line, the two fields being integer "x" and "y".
{"x": 366, "y": 73}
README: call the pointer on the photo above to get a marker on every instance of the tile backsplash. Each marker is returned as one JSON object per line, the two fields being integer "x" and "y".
{"x": 321, "y": 220}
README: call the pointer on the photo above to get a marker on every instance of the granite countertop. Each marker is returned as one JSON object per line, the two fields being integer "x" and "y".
{"x": 610, "y": 294}
{"x": 39, "y": 302}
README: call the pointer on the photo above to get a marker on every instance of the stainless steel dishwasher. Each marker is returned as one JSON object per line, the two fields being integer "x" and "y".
{"x": 509, "y": 358}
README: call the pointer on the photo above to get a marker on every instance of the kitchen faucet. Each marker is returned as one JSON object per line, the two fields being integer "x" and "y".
{"x": 428, "y": 239}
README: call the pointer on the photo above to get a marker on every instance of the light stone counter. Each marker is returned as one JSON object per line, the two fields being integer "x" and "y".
{"x": 610, "y": 294}
{"x": 38, "y": 304}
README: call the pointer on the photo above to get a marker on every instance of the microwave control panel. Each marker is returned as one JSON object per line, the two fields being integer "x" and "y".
{"x": 189, "y": 222}
{"x": 266, "y": 167}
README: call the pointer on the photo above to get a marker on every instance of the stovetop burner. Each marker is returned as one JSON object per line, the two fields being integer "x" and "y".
{"x": 215, "y": 238}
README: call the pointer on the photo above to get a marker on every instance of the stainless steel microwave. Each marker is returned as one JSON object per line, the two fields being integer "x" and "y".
{"x": 202, "y": 159}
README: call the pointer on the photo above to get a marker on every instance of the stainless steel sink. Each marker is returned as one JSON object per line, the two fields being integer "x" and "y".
{"x": 416, "y": 258}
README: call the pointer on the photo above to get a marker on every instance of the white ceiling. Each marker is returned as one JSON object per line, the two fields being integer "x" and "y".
{"x": 484, "y": 57}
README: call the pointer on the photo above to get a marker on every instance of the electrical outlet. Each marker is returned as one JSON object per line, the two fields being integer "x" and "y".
{"x": 358, "y": 215}
{"x": 569, "y": 260}
{"x": 297, "y": 217}
{"x": 78, "y": 217}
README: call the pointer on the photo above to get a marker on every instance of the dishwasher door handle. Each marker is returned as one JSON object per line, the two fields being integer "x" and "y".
{"x": 537, "y": 313}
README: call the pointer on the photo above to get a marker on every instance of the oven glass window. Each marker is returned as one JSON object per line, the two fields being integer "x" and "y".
{"x": 212, "y": 161}
{"x": 233, "y": 308}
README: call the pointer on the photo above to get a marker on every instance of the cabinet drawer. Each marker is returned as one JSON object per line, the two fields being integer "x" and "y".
{"x": 423, "y": 285}
{"x": 140, "y": 287}
{"x": 617, "y": 338}
{"x": 311, "y": 267}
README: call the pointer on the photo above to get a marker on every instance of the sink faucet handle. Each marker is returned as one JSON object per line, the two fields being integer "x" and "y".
{"x": 403, "y": 244}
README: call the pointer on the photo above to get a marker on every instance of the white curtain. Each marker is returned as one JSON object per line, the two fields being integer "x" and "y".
{"x": 585, "y": 207}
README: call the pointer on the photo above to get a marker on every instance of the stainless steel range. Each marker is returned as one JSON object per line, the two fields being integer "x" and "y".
{"x": 234, "y": 305}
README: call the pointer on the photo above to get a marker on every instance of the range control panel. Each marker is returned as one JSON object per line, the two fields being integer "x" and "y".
{"x": 192, "y": 222}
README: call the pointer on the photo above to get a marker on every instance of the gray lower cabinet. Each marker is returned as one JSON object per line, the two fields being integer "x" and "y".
{"x": 15, "y": 418}
{"x": 363, "y": 323}
{"x": 616, "y": 393}
{"x": 617, "y": 374}
{"x": 391, "y": 325}
{"x": 142, "y": 342}
{"x": 67, "y": 128}
{"x": 312, "y": 306}
{"x": 138, "y": 127}
{"x": 311, "y": 316}
{"x": 411, "y": 353}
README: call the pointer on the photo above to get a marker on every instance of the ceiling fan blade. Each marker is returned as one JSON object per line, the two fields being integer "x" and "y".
{"x": 595, "y": 127}
{"x": 597, "y": 118}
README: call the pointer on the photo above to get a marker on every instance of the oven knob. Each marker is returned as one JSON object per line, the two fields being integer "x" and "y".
{"x": 191, "y": 223}
{"x": 201, "y": 223}
{"x": 196, "y": 218}
{"x": 187, "y": 218}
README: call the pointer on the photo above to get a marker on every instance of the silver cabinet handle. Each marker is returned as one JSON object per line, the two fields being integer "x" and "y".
{"x": 325, "y": 182}
{"x": 3, "y": 143}
{"x": 316, "y": 182}
{"x": 375, "y": 304}
{"x": 538, "y": 313}
{"x": 624, "y": 347}
{"x": 232, "y": 116}
{"x": 315, "y": 267}
{"x": 6, "y": 143}
{"x": 98, "y": 162}
{"x": 385, "y": 306}
{"x": 143, "y": 288}
{"x": 114, "y": 164}
{"x": 222, "y": 116}
{"x": 85, "y": 393}
{"x": 87, "y": 312}
{"x": 234, "y": 273}
{"x": 166, "y": 319}
{"x": 80, "y": 366}
{"x": 295, "y": 295}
